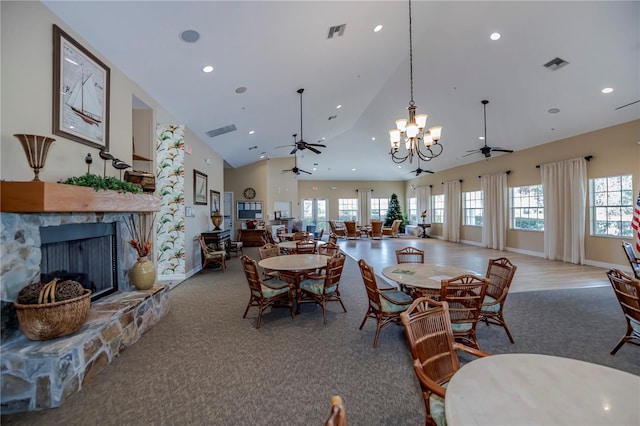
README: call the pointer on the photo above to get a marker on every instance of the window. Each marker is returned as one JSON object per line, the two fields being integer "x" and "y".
{"x": 611, "y": 206}
{"x": 347, "y": 209}
{"x": 527, "y": 208}
{"x": 413, "y": 210}
{"x": 437, "y": 208}
{"x": 379, "y": 207}
{"x": 472, "y": 208}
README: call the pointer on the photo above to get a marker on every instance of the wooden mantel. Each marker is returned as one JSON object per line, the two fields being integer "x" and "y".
{"x": 50, "y": 197}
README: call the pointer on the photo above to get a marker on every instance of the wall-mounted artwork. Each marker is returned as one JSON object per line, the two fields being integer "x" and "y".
{"x": 215, "y": 201}
{"x": 80, "y": 93}
{"x": 199, "y": 188}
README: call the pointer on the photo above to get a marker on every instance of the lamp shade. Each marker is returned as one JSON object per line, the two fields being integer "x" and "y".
{"x": 421, "y": 120}
{"x": 401, "y": 123}
{"x": 435, "y": 132}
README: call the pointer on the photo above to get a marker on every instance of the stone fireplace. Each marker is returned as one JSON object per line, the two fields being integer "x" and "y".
{"x": 50, "y": 228}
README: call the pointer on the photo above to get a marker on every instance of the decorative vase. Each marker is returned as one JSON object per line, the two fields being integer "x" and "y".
{"x": 143, "y": 274}
{"x": 36, "y": 148}
{"x": 216, "y": 219}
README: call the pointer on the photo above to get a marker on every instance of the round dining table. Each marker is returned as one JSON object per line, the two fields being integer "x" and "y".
{"x": 291, "y": 245}
{"x": 294, "y": 262}
{"x": 534, "y": 389}
{"x": 423, "y": 275}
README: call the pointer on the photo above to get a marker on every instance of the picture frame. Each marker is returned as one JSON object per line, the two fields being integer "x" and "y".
{"x": 215, "y": 201}
{"x": 200, "y": 188}
{"x": 81, "y": 88}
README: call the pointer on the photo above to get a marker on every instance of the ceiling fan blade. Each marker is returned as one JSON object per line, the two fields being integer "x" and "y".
{"x": 501, "y": 150}
{"x": 471, "y": 153}
{"x": 304, "y": 171}
{"x": 317, "y": 144}
{"x": 294, "y": 150}
{"x": 312, "y": 149}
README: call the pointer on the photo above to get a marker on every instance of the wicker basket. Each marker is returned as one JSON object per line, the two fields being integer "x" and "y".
{"x": 50, "y": 319}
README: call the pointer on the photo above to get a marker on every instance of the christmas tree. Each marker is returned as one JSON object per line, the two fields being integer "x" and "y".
{"x": 394, "y": 212}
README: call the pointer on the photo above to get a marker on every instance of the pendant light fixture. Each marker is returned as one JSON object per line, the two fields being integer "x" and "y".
{"x": 412, "y": 133}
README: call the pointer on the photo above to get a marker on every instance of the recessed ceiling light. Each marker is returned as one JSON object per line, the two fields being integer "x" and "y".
{"x": 353, "y": 170}
{"x": 554, "y": 110}
{"x": 251, "y": 132}
{"x": 190, "y": 36}
{"x": 481, "y": 138}
{"x": 399, "y": 167}
{"x": 315, "y": 168}
{"x": 208, "y": 68}
{"x": 607, "y": 90}
{"x": 373, "y": 139}
{"x": 377, "y": 28}
{"x": 241, "y": 89}
{"x": 339, "y": 106}
{"x": 494, "y": 36}
{"x": 262, "y": 156}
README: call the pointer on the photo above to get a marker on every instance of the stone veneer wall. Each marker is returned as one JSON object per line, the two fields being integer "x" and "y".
{"x": 20, "y": 254}
{"x": 40, "y": 375}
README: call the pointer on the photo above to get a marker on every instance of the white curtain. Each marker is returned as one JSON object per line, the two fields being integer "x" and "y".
{"x": 565, "y": 201}
{"x": 452, "y": 194}
{"x": 494, "y": 217}
{"x": 423, "y": 200}
{"x": 364, "y": 206}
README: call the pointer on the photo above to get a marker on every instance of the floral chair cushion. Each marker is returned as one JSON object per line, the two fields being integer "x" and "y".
{"x": 316, "y": 286}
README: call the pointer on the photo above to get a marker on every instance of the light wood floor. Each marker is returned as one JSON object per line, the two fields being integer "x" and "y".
{"x": 533, "y": 273}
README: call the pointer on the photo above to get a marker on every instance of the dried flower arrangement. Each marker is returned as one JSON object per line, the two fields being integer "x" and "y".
{"x": 140, "y": 227}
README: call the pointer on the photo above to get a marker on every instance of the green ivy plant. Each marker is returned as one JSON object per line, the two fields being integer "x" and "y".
{"x": 98, "y": 182}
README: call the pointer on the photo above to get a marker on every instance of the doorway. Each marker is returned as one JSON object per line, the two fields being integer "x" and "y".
{"x": 314, "y": 213}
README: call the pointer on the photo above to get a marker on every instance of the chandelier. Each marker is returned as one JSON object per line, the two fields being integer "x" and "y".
{"x": 412, "y": 132}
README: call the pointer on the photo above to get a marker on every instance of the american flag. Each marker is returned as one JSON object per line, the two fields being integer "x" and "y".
{"x": 635, "y": 223}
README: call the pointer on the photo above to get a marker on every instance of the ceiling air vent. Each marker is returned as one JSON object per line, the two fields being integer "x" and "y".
{"x": 556, "y": 64}
{"x": 221, "y": 131}
{"x": 337, "y": 31}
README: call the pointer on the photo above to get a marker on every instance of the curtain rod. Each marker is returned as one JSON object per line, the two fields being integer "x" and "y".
{"x": 460, "y": 181}
{"x": 507, "y": 172}
{"x": 588, "y": 158}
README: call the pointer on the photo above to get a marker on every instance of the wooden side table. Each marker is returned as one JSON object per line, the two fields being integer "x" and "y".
{"x": 424, "y": 227}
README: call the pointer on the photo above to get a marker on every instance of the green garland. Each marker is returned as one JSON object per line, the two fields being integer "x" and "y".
{"x": 98, "y": 182}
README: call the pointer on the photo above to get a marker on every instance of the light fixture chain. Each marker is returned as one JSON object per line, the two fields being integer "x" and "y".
{"x": 411, "y": 55}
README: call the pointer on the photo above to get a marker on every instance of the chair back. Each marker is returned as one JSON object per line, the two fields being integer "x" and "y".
{"x": 633, "y": 260}
{"x": 333, "y": 238}
{"x": 627, "y": 290}
{"x": 465, "y": 295}
{"x": 250, "y": 267}
{"x": 305, "y": 247}
{"x": 300, "y": 235}
{"x": 279, "y": 232}
{"x": 352, "y": 231}
{"x": 338, "y": 415}
{"x": 500, "y": 273}
{"x": 376, "y": 229}
{"x": 335, "y": 265}
{"x": 318, "y": 236}
{"x": 268, "y": 250}
{"x": 427, "y": 325}
{"x": 370, "y": 285}
{"x": 328, "y": 249}
{"x": 410, "y": 255}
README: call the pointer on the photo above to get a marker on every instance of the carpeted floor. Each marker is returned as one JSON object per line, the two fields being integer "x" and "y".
{"x": 205, "y": 364}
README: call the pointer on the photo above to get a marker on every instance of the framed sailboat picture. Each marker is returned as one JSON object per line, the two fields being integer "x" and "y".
{"x": 80, "y": 93}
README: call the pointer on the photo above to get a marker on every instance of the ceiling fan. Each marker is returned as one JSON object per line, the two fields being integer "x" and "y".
{"x": 420, "y": 170}
{"x": 295, "y": 168}
{"x": 301, "y": 144}
{"x": 486, "y": 150}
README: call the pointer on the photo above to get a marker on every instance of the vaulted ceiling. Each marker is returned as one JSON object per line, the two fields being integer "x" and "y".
{"x": 274, "y": 48}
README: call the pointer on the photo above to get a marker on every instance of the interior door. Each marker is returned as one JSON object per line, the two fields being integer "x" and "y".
{"x": 314, "y": 212}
